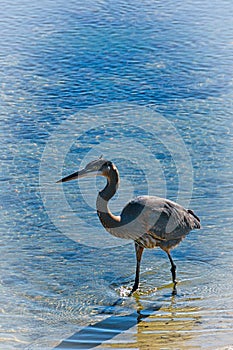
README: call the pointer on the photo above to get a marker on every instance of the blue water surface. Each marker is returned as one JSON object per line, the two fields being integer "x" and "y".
{"x": 137, "y": 81}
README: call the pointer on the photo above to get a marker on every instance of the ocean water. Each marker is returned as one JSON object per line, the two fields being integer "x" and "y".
{"x": 147, "y": 84}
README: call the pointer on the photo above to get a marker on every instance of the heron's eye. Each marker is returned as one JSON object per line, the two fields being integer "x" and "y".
{"x": 107, "y": 166}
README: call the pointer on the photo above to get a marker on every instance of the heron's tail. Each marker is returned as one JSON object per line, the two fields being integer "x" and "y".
{"x": 197, "y": 221}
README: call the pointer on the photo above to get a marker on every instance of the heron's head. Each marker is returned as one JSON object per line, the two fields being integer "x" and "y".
{"x": 98, "y": 167}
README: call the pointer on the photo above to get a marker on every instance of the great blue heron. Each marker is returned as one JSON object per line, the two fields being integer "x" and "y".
{"x": 150, "y": 221}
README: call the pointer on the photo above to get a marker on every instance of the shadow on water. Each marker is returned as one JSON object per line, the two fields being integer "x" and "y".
{"x": 94, "y": 335}
{"x": 170, "y": 326}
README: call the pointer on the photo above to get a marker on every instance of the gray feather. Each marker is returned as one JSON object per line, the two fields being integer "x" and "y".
{"x": 161, "y": 218}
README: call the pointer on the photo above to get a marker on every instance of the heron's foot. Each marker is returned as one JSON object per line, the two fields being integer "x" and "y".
{"x": 135, "y": 287}
{"x": 174, "y": 291}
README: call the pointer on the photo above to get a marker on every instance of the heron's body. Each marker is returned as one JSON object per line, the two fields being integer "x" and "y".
{"x": 164, "y": 222}
{"x": 148, "y": 220}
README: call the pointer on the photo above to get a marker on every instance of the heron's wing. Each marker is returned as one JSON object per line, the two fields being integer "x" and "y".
{"x": 159, "y": 217}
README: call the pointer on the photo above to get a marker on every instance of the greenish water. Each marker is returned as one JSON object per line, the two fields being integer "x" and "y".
{"x": 148, "y": 85}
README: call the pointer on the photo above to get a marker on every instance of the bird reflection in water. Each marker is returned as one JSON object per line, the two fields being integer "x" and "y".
{"x": 165, "y": 324}
{"x": 168, "y": 326}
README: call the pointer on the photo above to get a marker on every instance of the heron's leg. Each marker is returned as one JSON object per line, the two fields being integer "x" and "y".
{"x": 173, "y": 271}
{"x": 139, "y": 251}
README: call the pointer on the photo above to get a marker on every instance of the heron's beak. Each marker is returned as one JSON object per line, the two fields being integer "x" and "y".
{"x": 79, "y": 174}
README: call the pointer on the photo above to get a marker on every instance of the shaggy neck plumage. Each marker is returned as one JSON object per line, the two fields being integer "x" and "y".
{"x": 107, "y": 219}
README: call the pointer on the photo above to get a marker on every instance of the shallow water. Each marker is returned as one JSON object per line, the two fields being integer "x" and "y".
{"x": 148, "y": 85}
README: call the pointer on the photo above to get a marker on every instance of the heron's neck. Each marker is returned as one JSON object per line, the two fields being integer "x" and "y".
{"x": 107, "y": 219}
